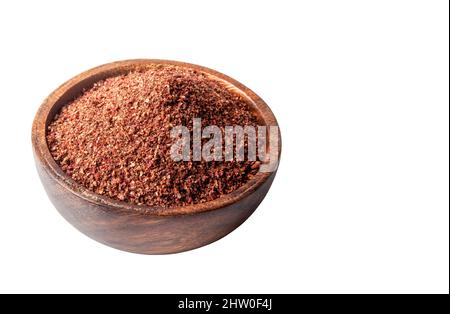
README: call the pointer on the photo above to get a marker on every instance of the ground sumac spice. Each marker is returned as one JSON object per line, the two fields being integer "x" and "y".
{"x": 115, "y": 139}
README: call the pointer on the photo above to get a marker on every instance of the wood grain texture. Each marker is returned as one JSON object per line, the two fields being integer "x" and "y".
{"x": 134, "y": 228}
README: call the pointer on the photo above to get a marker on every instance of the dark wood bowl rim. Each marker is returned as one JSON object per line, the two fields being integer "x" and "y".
{"x": 51, "y": 167}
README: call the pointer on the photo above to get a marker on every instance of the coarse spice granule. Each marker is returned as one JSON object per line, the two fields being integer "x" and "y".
{"x": 115, "y": 139}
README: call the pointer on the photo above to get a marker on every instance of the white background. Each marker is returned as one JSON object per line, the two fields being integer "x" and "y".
{"x": 360, "y": 89}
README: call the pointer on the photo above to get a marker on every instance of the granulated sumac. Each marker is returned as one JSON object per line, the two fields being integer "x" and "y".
{"x": 114, "y": 139}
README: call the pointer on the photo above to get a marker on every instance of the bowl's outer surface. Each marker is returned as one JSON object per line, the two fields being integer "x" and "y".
{"x": 149, "y": 234}
{"x": 127, "y": 227}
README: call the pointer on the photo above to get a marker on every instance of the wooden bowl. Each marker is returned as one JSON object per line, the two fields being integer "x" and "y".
{"x": 141, "y": 229}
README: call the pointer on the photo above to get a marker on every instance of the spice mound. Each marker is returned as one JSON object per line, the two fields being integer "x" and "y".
{"x": 115, "y": 138}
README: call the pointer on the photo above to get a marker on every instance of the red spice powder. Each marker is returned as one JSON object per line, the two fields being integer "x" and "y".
{"x": 115, "y": 139}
